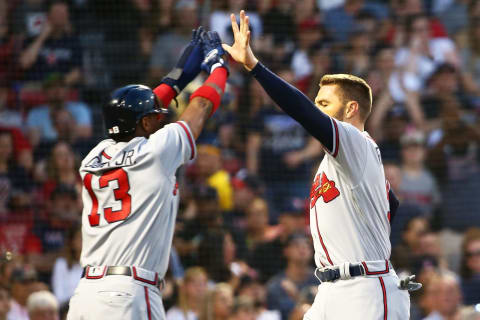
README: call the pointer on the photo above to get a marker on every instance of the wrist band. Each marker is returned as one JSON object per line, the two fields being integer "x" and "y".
{"x": 213, "y": 88}
{"x": 165, "y": 94}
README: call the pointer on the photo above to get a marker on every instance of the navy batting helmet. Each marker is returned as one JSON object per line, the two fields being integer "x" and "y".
{"x": 127, "y": 106}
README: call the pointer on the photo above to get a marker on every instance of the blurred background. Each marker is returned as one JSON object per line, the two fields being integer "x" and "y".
{"x": 242, "y": 247}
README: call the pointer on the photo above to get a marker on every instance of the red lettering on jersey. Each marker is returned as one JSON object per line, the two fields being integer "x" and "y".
{"x": 323, "y": 187}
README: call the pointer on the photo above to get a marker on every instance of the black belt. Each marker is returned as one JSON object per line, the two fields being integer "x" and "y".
{"x": 333, "y": 274}
{"x": 123, "y": 271}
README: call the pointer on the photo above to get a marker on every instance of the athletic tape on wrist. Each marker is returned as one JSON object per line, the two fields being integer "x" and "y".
{"x": 165, "y": 94}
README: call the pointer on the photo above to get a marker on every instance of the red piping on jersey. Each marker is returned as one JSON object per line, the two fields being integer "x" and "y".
{"x": 372, "y": 273}
{"x": 149, "y": 312}
{"x": 321, "y": 239}
{"x": 95, "y": 277}
{"x": 190, "y": 140}
{"x": 106, "y": 155}
{"x": 336, "y": 139}
{"x": 136, "y": 277}
{"x": 384, "y": 291}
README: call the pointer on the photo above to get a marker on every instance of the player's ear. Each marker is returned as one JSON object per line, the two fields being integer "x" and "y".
{"x": 352, "y": 109}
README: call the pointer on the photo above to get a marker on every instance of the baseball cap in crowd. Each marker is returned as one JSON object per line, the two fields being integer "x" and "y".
{"x": 204, "y": 193}
{"x": 249, "y": 181}
{"x": 412, "y": 137}
{"x": 294, "y": 206}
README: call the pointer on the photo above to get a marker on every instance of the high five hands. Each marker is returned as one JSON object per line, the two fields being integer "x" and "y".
{"x": 240, "y": 50}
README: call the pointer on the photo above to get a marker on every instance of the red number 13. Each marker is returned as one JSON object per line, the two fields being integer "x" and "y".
{"x": 120, "y": 193}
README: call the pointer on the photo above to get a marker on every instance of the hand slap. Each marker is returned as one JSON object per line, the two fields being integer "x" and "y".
{"x": 240, "y": 51}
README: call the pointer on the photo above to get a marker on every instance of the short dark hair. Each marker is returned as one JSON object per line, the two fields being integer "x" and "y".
{"x": 352, "y": 88}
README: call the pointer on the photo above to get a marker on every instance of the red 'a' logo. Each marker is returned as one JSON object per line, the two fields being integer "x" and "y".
{"x": 323, "y": 187}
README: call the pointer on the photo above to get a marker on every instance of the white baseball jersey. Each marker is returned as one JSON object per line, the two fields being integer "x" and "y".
{"x": 130, "y": 198}
{"x": 349, "y": 208}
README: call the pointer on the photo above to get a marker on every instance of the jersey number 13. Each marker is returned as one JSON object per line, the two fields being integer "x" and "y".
{"x": 120, "y": 193}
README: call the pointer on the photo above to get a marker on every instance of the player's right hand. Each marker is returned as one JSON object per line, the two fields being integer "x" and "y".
{"x": 188, "y": 66}
{"x": 215, "y": 56}
{"x": 240, "y": 49}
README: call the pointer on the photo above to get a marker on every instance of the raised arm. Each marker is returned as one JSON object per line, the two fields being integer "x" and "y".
{"x": 287, "y": 97}
{"x": 206, "y": 99}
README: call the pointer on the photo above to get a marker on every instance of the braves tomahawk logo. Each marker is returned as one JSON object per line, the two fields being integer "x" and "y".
{"x": 323, "y": 187}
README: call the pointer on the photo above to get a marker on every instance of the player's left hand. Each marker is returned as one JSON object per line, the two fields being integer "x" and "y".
{"x": 188, "y": 66}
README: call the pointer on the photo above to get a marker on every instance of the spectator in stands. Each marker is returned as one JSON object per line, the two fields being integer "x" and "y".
{"x": 217, "y": 253}
{"x": 280, "y": 151}
{"x": 323, "y": 62}
{"x": 168, "y": 45}
{"x": 4, "y": 302}
{"x": 55, "y": 50}
{"x": 309, "y": 33}
{"x": 15, "y": 182}
{"x": 211, "y": 173}
{"x": 41, "y": 119}
{"x": 192, "y": 227}
{"x": 418, "y": 186}
{"x": 254, "y": 289}
{"x": 340, "y": 20}
{"x": 405, "y": 253}
{"x": 67, "y": 270}
{"x": 42, "y": 305}
{"x": 7, "y": 46}
{"x": 192, "y": 291}
{"x": 220, "y": 19}
{"x": 218, "y": 303}
{"x": 243, "y": 308}
{"x": 283, "y": 289}
{"x": 446, "y": 297}
{"x": 420, "y": 55}
{"x": 9, "y": 117}
{"x": 305, "y": 301}
{"x": 356, "y": 58}
{"x": 268, "y": 257}
{"x": 470, "y": 266}
{"x": 60, "y": 169}
{"x": 22, "y": 281}
{"x": 256, "y": 228}
{"x": 382, "y": 69}
{"x": 454, "y": 160}
{"x": 470, "y": 54}
{"x": 245, "y": 189}
{"x": 62, "y": 214}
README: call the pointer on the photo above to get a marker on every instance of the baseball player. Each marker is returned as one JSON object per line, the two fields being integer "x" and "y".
{"x": 129, "y": 191}
{"x": 350, "y": 202}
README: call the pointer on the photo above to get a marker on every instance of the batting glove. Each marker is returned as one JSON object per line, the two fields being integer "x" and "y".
{"x": 213, "y": 51}
{"x": 188, "y": 66}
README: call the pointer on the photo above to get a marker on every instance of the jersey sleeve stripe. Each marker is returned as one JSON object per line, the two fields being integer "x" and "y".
{"x": 189, "y": 136}
{"x": 336, "y": 139}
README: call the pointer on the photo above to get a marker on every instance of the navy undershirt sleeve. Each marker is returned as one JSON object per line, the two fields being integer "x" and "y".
{"x": 394, "y": 204}
{"x": 296, "y": 105}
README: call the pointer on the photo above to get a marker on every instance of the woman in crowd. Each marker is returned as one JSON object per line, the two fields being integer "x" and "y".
{"x": 470, "y": 266}
{"x": 191, "y": 294}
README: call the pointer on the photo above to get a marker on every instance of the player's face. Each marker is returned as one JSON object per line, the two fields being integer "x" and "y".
{"x": 330, "y": 102}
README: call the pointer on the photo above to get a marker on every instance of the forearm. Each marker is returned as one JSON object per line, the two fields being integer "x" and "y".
{"x": 295, "y": 104}
{"x": 311, "y": 150}
{"x": 196, "y": 114}
{"x": 205, "y": 100}
{"x": 30, "y": 55}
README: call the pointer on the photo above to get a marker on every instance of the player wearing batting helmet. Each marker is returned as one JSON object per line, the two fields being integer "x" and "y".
{"x": 130, "y": 194}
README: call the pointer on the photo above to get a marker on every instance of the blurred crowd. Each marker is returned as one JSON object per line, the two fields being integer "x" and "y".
{"x": 242, "y": 248}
